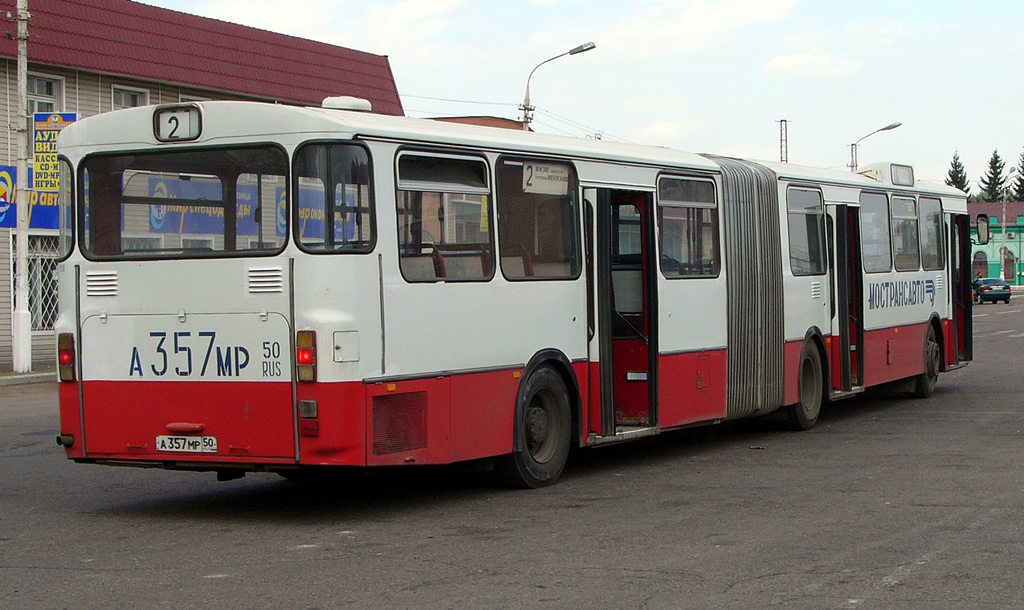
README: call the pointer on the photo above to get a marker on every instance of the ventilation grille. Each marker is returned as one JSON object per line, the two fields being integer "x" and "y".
{"x": 399, "y": 422}
{"x": 101, "y": 283}
{"x": 266, "y": 280}
{"x": 940, "y": 283}
{"x": 816, "y": 290}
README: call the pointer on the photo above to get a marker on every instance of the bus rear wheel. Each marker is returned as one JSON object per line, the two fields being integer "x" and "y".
{"x": 543, "y": 429}
{"x": 804, "y": 414}
{"x": 924, "y": 384}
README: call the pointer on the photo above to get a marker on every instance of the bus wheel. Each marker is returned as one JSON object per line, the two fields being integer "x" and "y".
{"x": 804, "y": 414}
{"x": 543, "y": 429}
{"x": 924, "y": 384}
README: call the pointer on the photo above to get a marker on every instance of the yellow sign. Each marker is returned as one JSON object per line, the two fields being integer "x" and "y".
{"x": 45, "y": 171}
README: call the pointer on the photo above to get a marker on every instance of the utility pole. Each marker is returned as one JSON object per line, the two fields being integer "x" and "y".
{"x": 22, "y": 322}
{"x": 783, "y": 140}
{"x": 1003, "y": 224}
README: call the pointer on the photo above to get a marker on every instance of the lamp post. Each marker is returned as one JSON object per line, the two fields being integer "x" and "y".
{"x": 525, "y": 106}
{"x": 1003, "y": 224}
{"x": 853, "y": 147}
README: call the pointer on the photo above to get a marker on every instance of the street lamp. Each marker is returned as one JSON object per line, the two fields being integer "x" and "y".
{"x": 525, "y": 106}
{"x": 1003, "y": 224}
{"x": 853, "y": 147}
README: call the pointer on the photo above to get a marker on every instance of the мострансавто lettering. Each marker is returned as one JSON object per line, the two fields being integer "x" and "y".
{"x": 906, "y": 293}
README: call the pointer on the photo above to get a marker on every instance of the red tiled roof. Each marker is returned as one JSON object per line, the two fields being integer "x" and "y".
{"x": 1013, "y": 210}
{"x": 150, "y": 43}
{"x": 484, "y": 121}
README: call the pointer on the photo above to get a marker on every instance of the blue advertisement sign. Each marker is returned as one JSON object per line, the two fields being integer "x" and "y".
{"x": 311, "y": 216}
{"x": 209, "y": 220}
{"x": 206, "y": 219}
{"x": 43, "y": 208}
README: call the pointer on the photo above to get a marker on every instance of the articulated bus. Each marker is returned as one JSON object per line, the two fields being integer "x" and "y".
{"x": 255, "y": 287}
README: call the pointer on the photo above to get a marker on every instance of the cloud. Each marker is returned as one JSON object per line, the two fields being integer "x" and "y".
{"x": 662, "y": 29}
{"x": 385, "y": 28}
{"x": 807, "y": 64}
{"x": 665, "y": 133}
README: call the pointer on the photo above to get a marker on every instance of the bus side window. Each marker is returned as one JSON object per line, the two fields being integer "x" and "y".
{"x": 806, "y": 218}
{"x": 874, "y": 221}
{"x": 905, "y": 246}
{"x": 688, "y": 222}
{"x": 538, "y": 220}
{"x": 444, "y": 212}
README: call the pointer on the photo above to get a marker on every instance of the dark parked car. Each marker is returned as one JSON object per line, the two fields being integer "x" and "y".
{"x": 991, "y": 289}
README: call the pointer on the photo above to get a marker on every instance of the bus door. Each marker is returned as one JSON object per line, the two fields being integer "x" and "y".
{"x": 960, "y": 282}
{"x": 847, "y": 317}
{"x": 626, "y": 300}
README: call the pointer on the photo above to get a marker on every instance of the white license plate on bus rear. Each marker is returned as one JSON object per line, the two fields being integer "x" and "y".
{"x": 187, "y": 444}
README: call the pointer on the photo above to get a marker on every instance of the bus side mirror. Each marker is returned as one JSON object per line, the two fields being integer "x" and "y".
{"x": 982, "y": 230}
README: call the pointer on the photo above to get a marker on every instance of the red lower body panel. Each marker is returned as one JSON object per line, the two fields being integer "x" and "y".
{"x": 791, "y": 372}
{"x": 70, "y": 417}
{"x": 252, "y": 422}
{"x": 434, "y": 420}
{"x": 692, "y": 388}
{"x": 893, "y": 353}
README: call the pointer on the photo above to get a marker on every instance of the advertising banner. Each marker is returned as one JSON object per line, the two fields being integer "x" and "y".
{"x": 47, "y": 126}
{"x": 42, "y": 207}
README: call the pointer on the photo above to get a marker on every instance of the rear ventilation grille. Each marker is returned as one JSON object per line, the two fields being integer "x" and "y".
{"x": 266, "y": 280}
{"x": 816, "y": 290}
{"x": 399, "y": 422}
{"x": 101, "y": 283}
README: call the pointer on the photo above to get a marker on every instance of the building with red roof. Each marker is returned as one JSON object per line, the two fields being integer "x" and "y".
{"x": 1001, "y": 256}
{"x": 92, "y": 56}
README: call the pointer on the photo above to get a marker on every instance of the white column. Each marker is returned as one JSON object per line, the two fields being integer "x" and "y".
{"x": 22, "y": 321}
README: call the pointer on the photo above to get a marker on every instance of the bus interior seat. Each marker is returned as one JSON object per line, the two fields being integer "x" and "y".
{"x": 555, "y": 269}
{"x": 464, "y": 266}
{"x": 419, "y": 268}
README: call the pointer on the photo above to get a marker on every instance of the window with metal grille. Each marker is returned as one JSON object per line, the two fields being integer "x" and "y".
{"x": 43, "y": 251}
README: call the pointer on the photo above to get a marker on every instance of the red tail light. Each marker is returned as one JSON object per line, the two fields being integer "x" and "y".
{"x": 66, "y": 356}
{"x": 305, "y": 355}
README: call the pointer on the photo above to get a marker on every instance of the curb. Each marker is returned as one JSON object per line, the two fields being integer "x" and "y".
{"x": 19, "y": 379}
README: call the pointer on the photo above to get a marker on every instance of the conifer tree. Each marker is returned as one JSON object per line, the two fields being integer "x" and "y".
{"x": 957, "y": 177}
{"x": 1017, "y": 189}
{"x": 992, "y": 181}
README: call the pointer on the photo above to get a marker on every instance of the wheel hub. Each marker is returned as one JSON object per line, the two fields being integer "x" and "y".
{"x": 537, "y": 425}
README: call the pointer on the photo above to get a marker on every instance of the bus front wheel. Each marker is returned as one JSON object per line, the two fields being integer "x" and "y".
{"x": 543, "y": 431}
{"x": 804, "y": 414}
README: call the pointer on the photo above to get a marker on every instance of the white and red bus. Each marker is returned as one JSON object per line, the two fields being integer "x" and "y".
{"x": 256, "y": 287}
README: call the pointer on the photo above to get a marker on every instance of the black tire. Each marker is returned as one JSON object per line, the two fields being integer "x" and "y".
{"x": 804, "y": 414}
{"x": 543, "y": 433}
{"x": 924, "y": 384}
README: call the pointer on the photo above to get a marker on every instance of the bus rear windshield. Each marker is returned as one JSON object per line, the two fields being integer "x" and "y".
{"x": 184, "y": 204}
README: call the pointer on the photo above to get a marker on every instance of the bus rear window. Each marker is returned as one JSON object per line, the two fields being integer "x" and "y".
{"x": 333, "y": 181}
{"x": 184, "y": 204}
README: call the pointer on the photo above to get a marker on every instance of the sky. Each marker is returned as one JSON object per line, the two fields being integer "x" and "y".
{"x": 711, "y": 76}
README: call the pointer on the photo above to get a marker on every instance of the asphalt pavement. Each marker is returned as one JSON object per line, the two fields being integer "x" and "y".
{"x": 889, "y": 502}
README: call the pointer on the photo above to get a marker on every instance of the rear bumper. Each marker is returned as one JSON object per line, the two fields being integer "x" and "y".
{"x": 995, "y": 296}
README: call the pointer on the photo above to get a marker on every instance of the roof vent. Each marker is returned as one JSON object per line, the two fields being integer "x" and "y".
{"x": 347, "y": 102}
{"x": 889, "y": 173}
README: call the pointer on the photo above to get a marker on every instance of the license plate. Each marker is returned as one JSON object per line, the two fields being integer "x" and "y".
{"x": 187, "y": 444}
